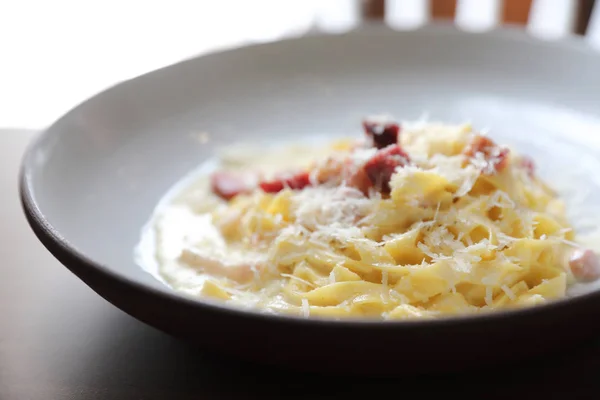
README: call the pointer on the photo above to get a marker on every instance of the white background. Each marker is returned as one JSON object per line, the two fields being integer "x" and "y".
{"x": 55, "y": 53}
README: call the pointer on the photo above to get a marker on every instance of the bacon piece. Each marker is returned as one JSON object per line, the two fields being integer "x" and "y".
{"x": 335, "y": 171}
{"x": 382, "y": 134}
{"x": 295, "y": 181}
{"x": 483, "y": 150}
{"x": 381, "y": 166}
{"x": 585, "y": 265}
{"x": 360, "y": 180}
{"x": 227, "y": 184}
{"x": 332, "y": 170}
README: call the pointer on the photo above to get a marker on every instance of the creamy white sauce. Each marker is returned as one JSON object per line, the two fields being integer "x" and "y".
{"x": 181, "y": 223}
{"x": 181, "y": 228}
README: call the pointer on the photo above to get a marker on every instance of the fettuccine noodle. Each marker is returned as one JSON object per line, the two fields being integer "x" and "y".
{"x": 439, "y": 220}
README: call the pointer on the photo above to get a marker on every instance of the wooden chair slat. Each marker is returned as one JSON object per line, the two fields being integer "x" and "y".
{"x": 443, "y": 9}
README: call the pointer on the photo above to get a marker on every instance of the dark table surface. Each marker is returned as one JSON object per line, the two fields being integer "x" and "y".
{"x": 59, "y": 340}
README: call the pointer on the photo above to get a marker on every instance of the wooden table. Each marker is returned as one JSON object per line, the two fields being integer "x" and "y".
{"x": 59, "y": 340}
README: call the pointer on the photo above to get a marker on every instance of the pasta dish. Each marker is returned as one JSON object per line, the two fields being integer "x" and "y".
{"x": 406, "y": 221}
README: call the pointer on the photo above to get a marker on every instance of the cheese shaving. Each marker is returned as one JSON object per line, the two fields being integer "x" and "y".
{"x": 451, "y": 234}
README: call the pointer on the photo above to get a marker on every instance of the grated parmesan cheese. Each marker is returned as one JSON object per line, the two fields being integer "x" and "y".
{"x": 322, "y": 206}
{"x": 501, "y": 199}
{"x": 508, "y": 292}
{"x": 384, "y": 283}
{"x": 431, "y": 243}
{"x": 305, "y": 308}
{"x": 488, "y": 296}
{"x": 290, "y": 276}
{"x": 570, "y": 243}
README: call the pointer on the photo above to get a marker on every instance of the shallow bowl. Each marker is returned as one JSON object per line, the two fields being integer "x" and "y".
{"x": 91, "y": 180}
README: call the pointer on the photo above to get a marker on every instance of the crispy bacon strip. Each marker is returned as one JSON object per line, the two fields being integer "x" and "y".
{"x": 295, "y": 181}
{"x": 483, "y": 149}
{"x": 227, "y": 185}
{"x": 375, "y": 173}
{"x": 360, "y": 180}
{"x": 381, "y": 166}
{"x": 382, "y": 134}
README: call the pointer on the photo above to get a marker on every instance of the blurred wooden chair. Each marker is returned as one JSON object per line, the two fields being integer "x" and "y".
{"x": 545, "y": 18}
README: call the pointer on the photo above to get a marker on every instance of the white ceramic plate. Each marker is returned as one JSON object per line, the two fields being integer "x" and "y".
{"x": 91, "y": 181}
